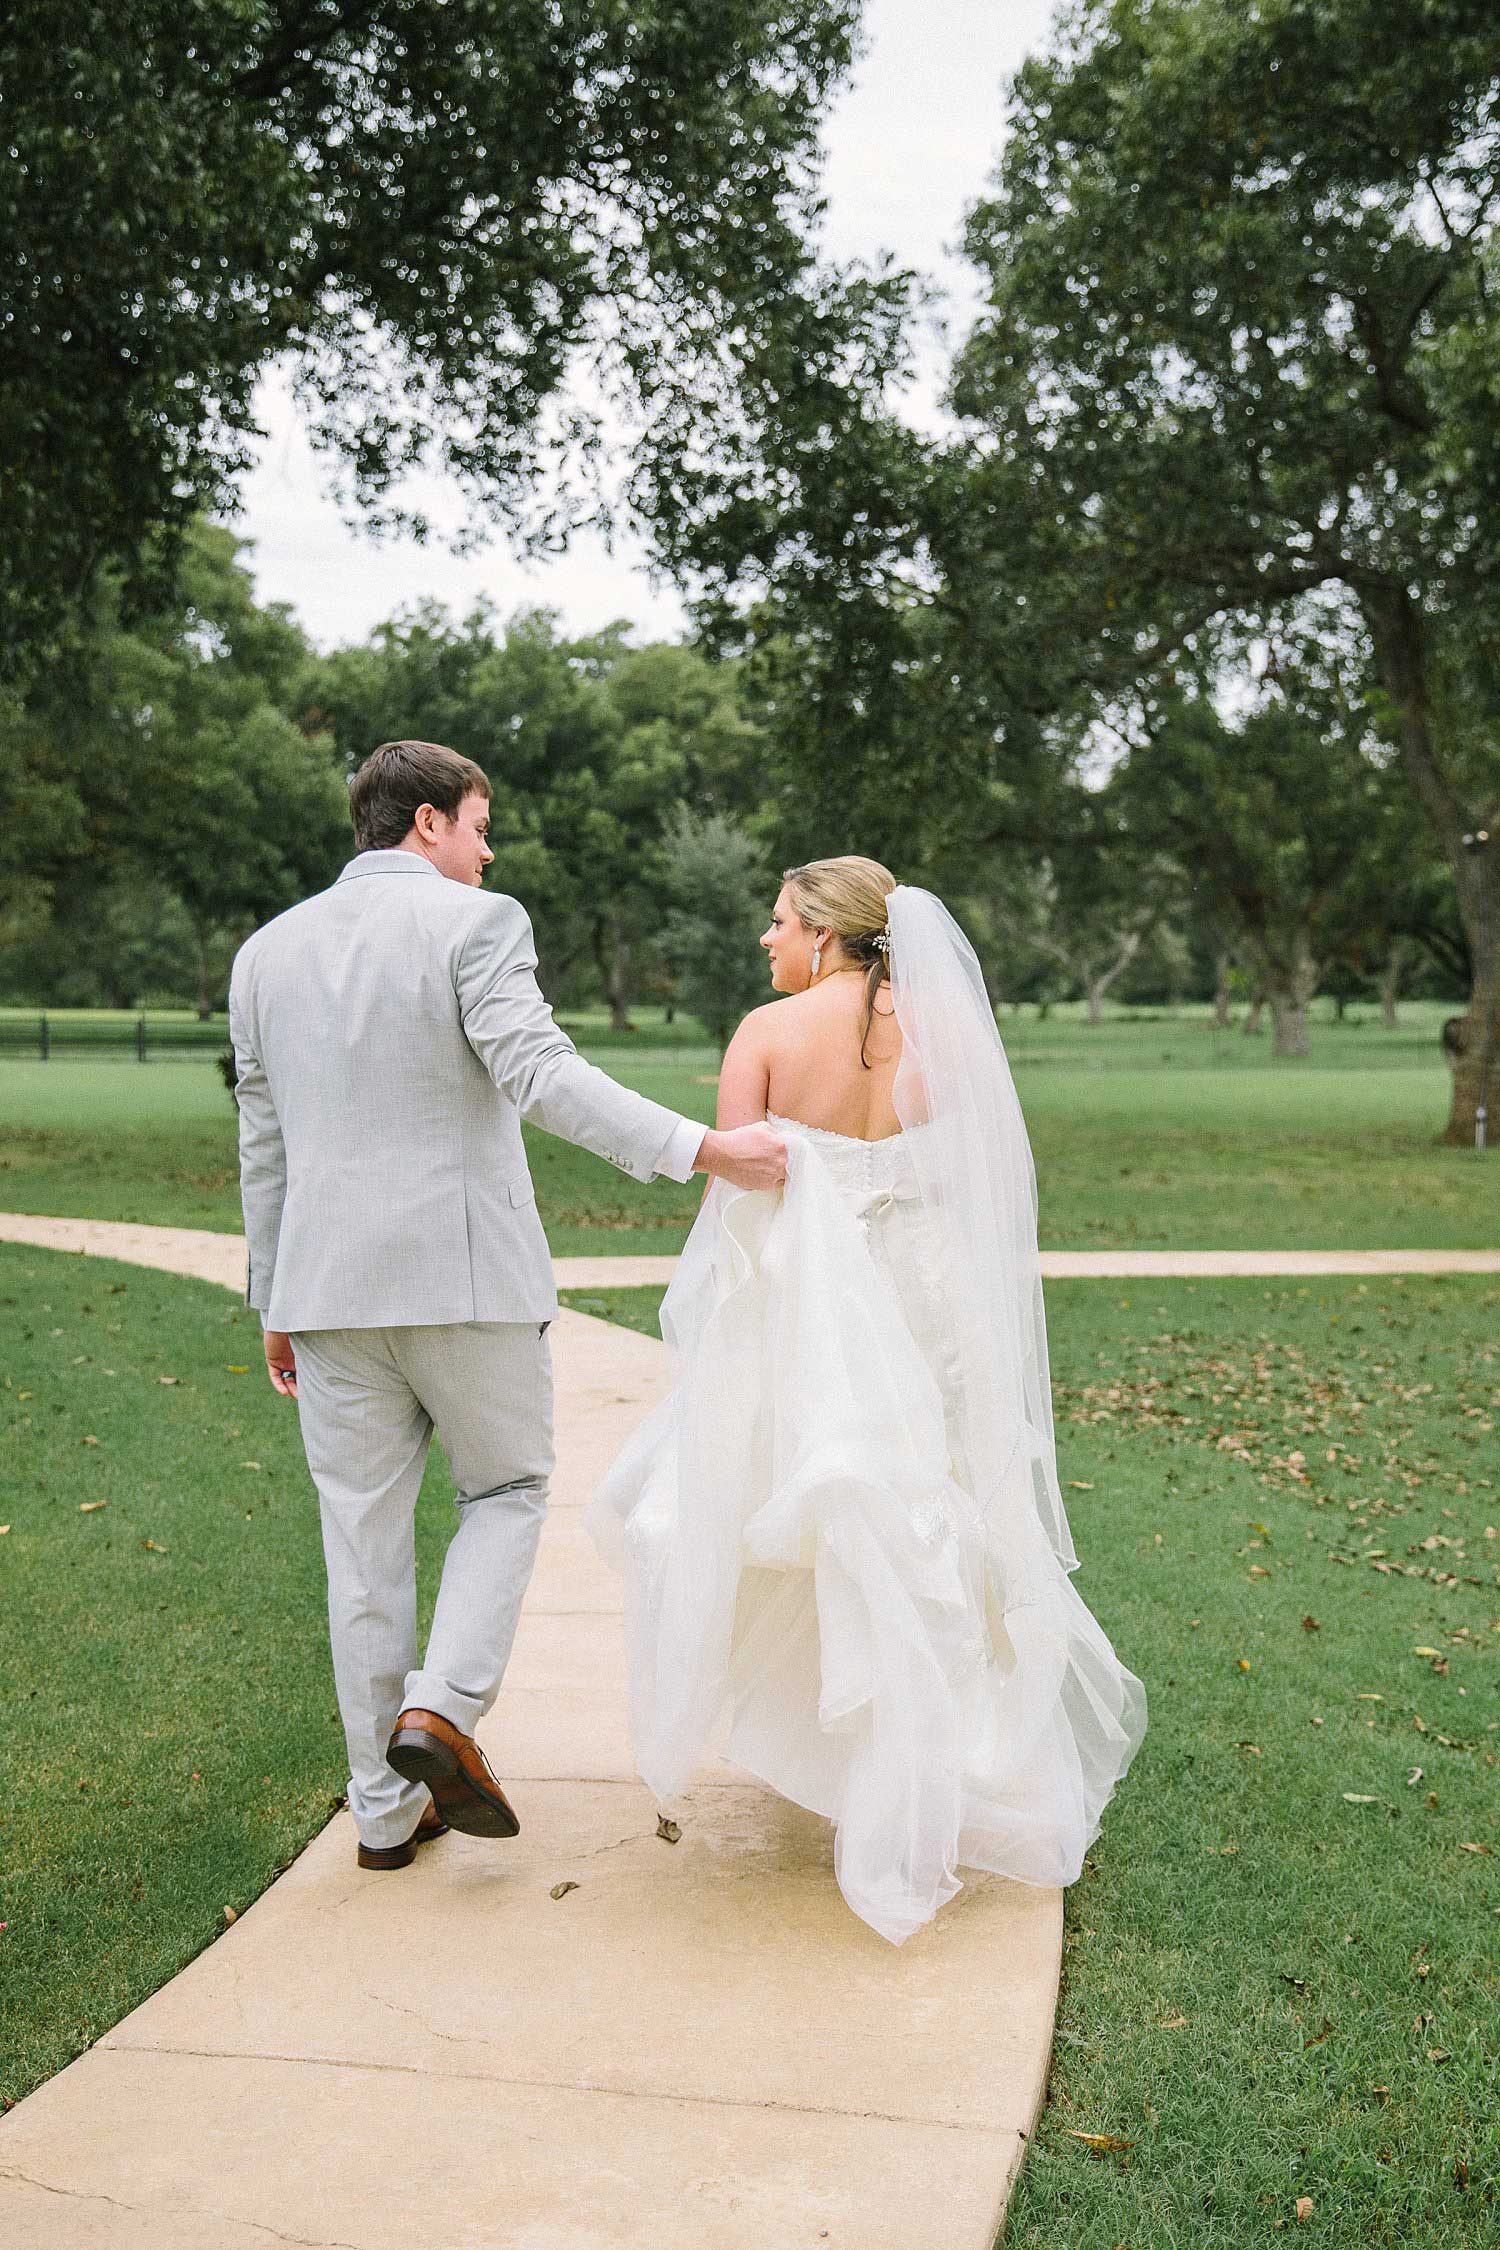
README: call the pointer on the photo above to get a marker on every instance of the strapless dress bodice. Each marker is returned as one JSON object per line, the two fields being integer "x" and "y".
{"x": 862, "y": 1171}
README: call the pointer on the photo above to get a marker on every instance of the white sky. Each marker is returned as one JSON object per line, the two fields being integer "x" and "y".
{"x": 911, "y": 143}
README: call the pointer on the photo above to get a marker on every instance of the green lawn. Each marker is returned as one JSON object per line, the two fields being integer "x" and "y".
{"x": 1281, "y": 1968}
{"x": 1281, "y": 1963}
{"x": 171, "y": 1733}
{"x": 1147, "y": 1131}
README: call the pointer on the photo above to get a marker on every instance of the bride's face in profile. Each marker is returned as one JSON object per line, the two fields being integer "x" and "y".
{"x": 789, "y": 946}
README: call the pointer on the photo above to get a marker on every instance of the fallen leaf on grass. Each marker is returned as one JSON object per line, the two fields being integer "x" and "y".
{"x": 229, "y": 1916}
{"x": 1076, "y": 1484}
{"x": 1350, "y": 1798}
{"x": 1242, "y": 1663}
{"x": 236, "y": 1370}
{"x": 249, "y": 1464}
{"x": 87, "y": 1507}
{"x": 4, "y": 1527}
{"x": 668, "y": 1830}
{"x": 1427, "y": 1652}
{"x": 1304, "y": 2209}
{"x": 1483, "y": 1849}
{"x": 1438, "y": 2054}
{"x": 169, "y": 1380}
{"x": 1252, "y": 1747}
{"x": 1318, "y": 2037}
{"x": 561, "y": 1890}
{"x": 1107, "y": 2144}
{"x": 1173, "y": 2023}
{"x": 1311, "y": 1624}
{"x": 91, "y": 1441}
{"x": 155, "y": 1550}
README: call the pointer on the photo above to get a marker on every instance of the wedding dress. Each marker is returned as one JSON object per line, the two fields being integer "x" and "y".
{"x": 844, "y": 1549}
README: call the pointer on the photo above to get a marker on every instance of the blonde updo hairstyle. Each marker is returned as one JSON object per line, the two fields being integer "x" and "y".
{"x": 847, "y": 896}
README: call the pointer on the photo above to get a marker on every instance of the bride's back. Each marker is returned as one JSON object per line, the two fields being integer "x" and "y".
{"x": 826, "y": 1054}
{"x": 813, "y": 1065}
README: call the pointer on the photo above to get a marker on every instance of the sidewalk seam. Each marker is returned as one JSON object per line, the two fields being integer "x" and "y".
{"x": 553, "y": 2086}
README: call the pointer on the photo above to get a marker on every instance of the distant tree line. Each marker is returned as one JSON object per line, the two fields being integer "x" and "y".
{"x": 1174, "y": 659}
{"x": 183, "y": 777}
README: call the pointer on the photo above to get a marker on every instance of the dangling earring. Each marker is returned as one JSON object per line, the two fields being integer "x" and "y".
{"x": 816, "y": 960}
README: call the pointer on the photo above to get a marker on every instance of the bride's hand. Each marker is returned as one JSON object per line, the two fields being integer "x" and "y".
{"x": 752, "y": 1156}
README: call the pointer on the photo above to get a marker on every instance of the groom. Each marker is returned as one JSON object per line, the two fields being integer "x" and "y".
{"x": 389, "y": 1037}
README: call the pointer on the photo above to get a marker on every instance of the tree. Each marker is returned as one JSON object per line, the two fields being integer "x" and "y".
{"x": 163, "y": 752}
{"x": 1283, "y": 820}
{"x": 588, "y": 744}
{"x": 1081, "y": 889}
{"x": 1238, "y": 355}
{"x": 716, "y": 880}
{"x": 436, "y": 211}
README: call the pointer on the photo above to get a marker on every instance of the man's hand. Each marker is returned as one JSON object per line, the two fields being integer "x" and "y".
{"x": 281, "y": 1363}
{"x": 752, "y": 1156}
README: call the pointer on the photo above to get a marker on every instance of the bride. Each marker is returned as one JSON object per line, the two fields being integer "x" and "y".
{"x": 844, "y": 1546}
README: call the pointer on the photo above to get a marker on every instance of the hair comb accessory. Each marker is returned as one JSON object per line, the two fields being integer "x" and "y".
{"x": 882, "y": 941}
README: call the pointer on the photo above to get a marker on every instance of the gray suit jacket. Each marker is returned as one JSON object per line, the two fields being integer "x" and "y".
{"x": 390, "y": 1036}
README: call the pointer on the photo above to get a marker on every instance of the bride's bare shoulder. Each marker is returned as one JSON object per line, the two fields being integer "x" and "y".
{"x": 776, "y": 1021}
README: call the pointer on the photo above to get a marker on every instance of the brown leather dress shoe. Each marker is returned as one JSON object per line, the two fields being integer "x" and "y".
{"x": 427, "y": 1747}
{"x": 373, "y": 1856}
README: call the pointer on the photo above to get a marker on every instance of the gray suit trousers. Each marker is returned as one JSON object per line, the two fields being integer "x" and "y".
{"x": 370, "y": 1400}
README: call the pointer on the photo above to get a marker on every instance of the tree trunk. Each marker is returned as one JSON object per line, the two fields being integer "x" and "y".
{"x": 1290, "y": 994}
{"x": 1398, "y": 630}
{"x": 1222, "y": 963}
{"x": 1471, "y": 1043}
{"x": 1096, "y": 987}
{"x": 1250, "y": 1028}
{"x": 205, "y": 982}
{"x": 1391, "y": 976}
{"x": 613, "y": 955}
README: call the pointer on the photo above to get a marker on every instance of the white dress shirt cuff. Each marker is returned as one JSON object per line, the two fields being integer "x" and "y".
{"x": 679, "y": 1156}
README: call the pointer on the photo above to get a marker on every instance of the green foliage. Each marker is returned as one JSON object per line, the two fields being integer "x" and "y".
{"x": 1285, "y": 824}
{"x": 436, "y": 209}
{"x": 590, "y": 745}
{"x": 720, "y": 902}
{"x": 1063, "y": 891}
{"x": 1238, "y": 265}
{"x": 161, "y": 759}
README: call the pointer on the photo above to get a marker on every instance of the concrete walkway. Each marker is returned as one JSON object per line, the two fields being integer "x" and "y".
{"x": 221, "y": 1257}
{"x": 698, "y": 2043}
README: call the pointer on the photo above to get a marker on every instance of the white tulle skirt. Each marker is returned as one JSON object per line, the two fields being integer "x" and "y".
{"x": 810, "y": 1588}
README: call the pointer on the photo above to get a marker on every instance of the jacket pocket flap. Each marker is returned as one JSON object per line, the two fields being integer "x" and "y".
{"x": 521, "y": 1191}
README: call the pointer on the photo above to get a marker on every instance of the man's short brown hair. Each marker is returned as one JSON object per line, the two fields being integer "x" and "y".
{"x": 399, "y": 776}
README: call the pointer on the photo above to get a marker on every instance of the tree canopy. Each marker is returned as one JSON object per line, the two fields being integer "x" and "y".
{"x": 438, "y": 212}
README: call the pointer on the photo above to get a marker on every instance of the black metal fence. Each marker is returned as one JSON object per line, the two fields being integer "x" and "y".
{"x": 45, "y": 1037}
